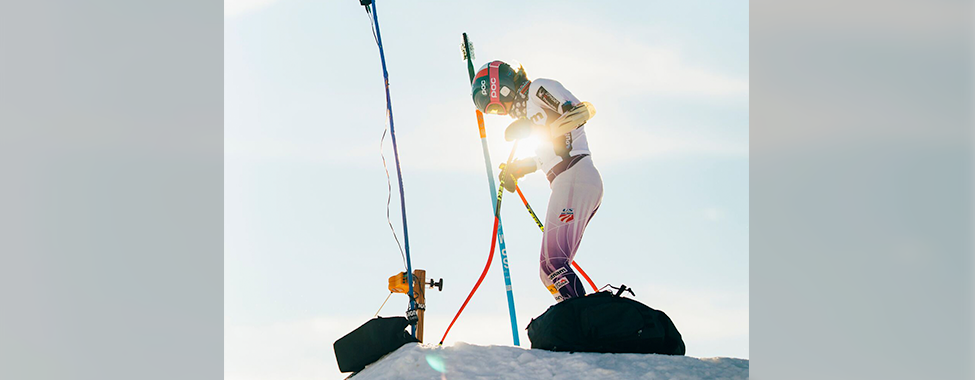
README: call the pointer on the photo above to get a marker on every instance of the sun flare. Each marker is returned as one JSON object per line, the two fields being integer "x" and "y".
{"x": 526, "y": 147}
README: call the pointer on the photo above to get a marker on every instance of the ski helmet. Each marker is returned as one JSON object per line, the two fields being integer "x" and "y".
{"x": 495, "y": 87}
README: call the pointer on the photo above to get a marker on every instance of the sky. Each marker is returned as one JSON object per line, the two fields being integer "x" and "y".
{"x": 307, "y": 246}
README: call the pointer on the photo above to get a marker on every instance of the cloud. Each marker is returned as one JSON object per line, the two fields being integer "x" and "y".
{"x": 616, "y": 72}
{"x": 609, "y": 63}
{"x": 613, "y": 72}
{"x": 307, "y": 150}
{"x": 441, "y": 137}
{"x": 617, "y": 140}
{"x": 437, "y": 148}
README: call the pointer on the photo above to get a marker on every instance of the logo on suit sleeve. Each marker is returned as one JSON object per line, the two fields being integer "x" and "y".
{"x": 547, "y": 97}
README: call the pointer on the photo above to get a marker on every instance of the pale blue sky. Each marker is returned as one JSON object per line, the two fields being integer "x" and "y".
{"x": 308, "y": 249}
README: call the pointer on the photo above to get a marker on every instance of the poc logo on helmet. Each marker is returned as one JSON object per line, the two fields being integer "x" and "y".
{"x": 494, "y": 87}
{"x": 484, "y": 88}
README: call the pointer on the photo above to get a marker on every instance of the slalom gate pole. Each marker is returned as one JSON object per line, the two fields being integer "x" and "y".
{"x": 495, "y": 202}
{"x": 542, "y": 227}
{"x": 495, "y": 235}
{"x": 399, "y": 172}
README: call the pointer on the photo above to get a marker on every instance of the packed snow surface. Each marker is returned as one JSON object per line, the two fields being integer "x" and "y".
{"x": 466, "y": 361}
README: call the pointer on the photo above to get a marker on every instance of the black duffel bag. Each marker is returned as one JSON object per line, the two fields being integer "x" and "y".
{"x": 371, "y": 341}
{"x": 603, "y": 322}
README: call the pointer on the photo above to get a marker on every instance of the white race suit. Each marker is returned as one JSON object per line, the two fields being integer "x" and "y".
{"x": 577, "y": 188}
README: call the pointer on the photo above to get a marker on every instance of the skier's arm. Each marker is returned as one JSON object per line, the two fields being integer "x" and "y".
{"x": 573, "y": 118}
{"x": 551, "y": 100}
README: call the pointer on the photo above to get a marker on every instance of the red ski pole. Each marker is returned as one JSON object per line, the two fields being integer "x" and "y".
{"x": 494, "y": 240}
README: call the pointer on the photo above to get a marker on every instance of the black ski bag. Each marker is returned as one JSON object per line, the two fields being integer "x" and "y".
{"x": 371, "y": 341}
{"x": 603, "y": 322}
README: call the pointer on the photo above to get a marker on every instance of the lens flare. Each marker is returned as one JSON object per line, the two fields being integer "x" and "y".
{"x": 526, "y": 147}
{"x": 437, "y": 363}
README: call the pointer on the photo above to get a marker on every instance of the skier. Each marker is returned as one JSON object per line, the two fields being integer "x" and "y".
{"x": 544, "y": 108}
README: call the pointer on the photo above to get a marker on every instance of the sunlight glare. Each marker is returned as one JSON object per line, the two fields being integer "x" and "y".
{"x": 526, "y": 147}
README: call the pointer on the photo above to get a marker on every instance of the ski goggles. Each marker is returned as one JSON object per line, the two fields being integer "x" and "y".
{"x": 494, "y": 82}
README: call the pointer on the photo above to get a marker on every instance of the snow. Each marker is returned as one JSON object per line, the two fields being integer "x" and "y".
{"x": 465, "y": 361}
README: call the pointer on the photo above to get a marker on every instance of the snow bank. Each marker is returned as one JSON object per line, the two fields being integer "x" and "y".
{"x": 466, "y": 361}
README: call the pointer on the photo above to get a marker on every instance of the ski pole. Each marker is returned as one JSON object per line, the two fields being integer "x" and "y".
{"x": 399, "y": 171}
{"x": 495, "y": 233}
{"x": 530, "y": 211}
{"x": 469, "y": 57}
{"x": 584, "y": 275}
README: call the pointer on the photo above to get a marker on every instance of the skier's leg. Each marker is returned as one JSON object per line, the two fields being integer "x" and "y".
{"x": 576, "y": 194}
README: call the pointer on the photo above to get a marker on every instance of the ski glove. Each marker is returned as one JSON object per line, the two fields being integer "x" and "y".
{"x": 509, "y": 178}
{"x": 518, "y": 130}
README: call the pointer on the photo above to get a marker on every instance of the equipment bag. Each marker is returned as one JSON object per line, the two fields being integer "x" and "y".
{"x": 371, "y": 341}
{"x": 603, "y": 322}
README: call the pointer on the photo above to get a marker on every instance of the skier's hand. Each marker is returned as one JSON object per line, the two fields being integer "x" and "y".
{"x": 509, "y": 178}
{"x": 508, "y": 181}
{"x": 518, "y": 129}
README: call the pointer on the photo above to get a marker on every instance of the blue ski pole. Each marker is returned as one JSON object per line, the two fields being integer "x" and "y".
{"x": 490, "y": 174}
{"x": 411, "y": 312}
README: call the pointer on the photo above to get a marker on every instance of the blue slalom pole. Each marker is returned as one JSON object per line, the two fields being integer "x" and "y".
{"x": 399, "y": 172}
{"x": 494, "y": 203}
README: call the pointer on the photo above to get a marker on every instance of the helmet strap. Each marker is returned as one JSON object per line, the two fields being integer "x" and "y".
{"x": 495, "y": 81}
{"x": 523, "y": 87}
{"x": 494, "y": 89}
{"x": 518, "y": 107}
